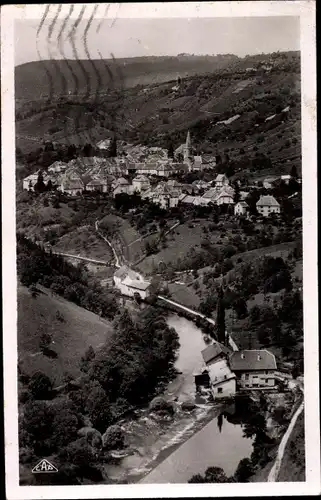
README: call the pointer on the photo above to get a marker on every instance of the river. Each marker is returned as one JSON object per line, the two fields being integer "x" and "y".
{"x": 172, "y": 451}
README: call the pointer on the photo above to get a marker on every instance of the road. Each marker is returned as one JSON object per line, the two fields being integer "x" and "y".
{"x": 274, "y": 472}
{"x": 79, "y": 257}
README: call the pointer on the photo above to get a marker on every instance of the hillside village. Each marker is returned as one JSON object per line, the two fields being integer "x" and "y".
{"x": 137, "y": 225}
{"x": 124, "y": 175}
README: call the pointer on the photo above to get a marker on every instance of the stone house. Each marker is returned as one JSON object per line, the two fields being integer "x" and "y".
{"x": 164, "y": 195}
{"x": 120, "y": 186}
{"x": 267, "y": 204}
{"x": 254, "y": 369}
{"x": 141, "y": 183}
{"x": 72, "y": 186}
{"x": 100, "y": 185}
{"x": 130, "y": 282}
{"x": 29, "y": 181}
{"x": 222, "y": 379}
{"x": 58, "y": 167}
{"x": 241, "y": 208}
{"x": 231, "y": 371}
{"x": 224, "y": 198}
{"x": 221, "y": 180}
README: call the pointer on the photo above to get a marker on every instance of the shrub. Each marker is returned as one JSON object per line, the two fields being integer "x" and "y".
{"x": 244, "y": 470}
{"x": 40, "y": 386}
{"x": 114, "y": 438}
{"x": 160, "y": 405}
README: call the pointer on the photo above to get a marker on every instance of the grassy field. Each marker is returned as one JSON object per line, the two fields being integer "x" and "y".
{"x": 280, "y": 250}
{"x": 84, "y": 241}
{"x": 71, "y": 337}
{"x": 184, "y": 295}
{"x": 179, "y": 243}
{"x": 33, "y": 217}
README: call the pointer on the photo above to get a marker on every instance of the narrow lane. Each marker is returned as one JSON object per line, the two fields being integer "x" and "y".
{"x": 117, "y": 264}
{"x": 274, "y": 472}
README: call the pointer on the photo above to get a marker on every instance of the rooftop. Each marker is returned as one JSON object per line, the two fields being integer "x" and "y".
{"x": 121, "y": 182}
{"x": 220, "y": 177}
{"x": 97, "y": 182}
{"x": 73, "y": 184}
{"x": 267, "y": 200}
{"x": 140, "y": 285}
{"x": 214, "y": 350}
{"x": 141, "y": 178}
{"x": 125, "y": 271}
{"x": 252, "y": 360}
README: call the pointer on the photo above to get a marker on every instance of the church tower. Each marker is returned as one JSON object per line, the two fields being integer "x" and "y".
{"x": 188, "y": 158}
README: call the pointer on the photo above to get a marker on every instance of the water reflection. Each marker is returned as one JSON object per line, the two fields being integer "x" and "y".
{"x": 220, "y": 421}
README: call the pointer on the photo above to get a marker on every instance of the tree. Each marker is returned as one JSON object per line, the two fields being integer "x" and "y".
{"x": 112, "y": 149}
{"x": 244, "y": 471}
{"x": 86, "y": 359}
{"x": 197, "y": 478}
{"x": 40, "y": 186}
{"x": 113, "y": 439}
{"x": 240, "y": 307}
{"x": 220, "y": 317}
{"x": 65, "y": 426}
{"x": 215, "y": 475}
{"x": 40, "y": 386}
{"x": 212, "y": 475}
{"x": 98, "y": 406}
{"x": 79, "y": 453}
{"x": 170, "y": 150}
{"x": 236, "y": 192}
{"x": 88, "y": 150}
{"x": 294, "y": 172}
{"x": 255, "y": 426}
{"x": 279, "y": 415}
{"x": 37, "y": 421}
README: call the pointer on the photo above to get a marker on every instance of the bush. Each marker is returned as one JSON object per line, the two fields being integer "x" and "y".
{"x": 279, "y": 415}
{"x": 40, "y": 386}
{"x": 244, "y": 470}
{"x": 114, "y": 438}
{"x": 160, "y": 405}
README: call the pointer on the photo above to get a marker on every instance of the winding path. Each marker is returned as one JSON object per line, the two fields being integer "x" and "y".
{"x": 274, "y": 472}
{"x": 117, "y": 264}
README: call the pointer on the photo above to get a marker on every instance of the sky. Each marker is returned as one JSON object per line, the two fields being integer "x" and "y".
{"x": 156, "y": 37}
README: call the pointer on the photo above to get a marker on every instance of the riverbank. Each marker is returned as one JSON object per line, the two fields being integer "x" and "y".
{"x": 151, "y": 439}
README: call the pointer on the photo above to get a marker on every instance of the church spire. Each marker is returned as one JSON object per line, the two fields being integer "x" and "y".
{"x": 187, "y": 151}
{"x": 188, "y": 141}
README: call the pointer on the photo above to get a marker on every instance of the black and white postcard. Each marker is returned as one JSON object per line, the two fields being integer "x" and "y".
{"x": 159, "y": 204}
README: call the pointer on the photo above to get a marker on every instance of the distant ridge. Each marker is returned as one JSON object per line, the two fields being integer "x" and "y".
{"x": 32, "y": 79}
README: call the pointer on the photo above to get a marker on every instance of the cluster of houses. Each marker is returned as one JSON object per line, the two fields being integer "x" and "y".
{"x": 97, "y": 173}
{"x": 151, "y": 171}
{"x": 226, "y": 371}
